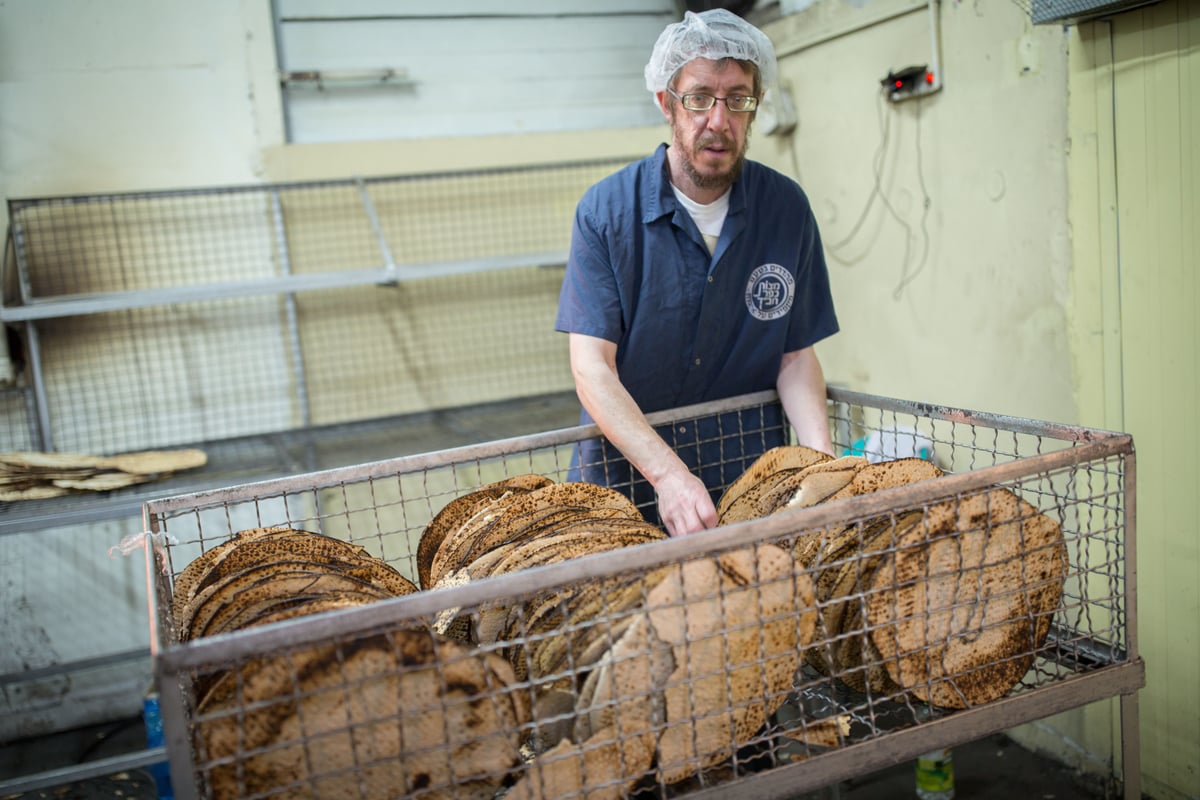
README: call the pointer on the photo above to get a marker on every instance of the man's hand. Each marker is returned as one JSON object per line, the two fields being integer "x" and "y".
{"x": 684, "y": 504}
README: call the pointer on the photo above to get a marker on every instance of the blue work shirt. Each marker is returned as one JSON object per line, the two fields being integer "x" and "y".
{"x": 689, "y": 326}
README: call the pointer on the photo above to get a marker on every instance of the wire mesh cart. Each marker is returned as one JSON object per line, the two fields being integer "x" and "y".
{"x": 999, "y": 592}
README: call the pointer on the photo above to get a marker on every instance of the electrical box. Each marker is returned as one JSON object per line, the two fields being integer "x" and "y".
{"x": 777, "y": 112}
{"x": 910, "y": 82}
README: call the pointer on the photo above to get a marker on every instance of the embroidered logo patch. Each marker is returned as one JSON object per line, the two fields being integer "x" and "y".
{"x": 769, "y": 292}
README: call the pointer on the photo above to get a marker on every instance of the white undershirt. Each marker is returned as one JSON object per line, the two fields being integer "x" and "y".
{"x": 708, "y": 218}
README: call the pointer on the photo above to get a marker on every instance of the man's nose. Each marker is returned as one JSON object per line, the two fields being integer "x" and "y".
{"x": 718, "y": 116}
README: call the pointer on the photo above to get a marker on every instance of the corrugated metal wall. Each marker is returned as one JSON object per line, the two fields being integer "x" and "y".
{"x": 1157, "y": 89}
{"x": 1136, "y": 177}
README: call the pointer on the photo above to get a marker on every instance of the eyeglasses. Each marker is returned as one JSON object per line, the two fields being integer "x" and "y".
{"x": 740, "y": 103}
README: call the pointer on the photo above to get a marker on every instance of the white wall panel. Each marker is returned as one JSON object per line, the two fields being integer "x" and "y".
{"x": 467, "y": 69}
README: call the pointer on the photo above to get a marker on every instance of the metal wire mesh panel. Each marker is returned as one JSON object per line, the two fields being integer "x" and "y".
{"x": 73, "y": 246}
{"x": 158, "y": 319}
{"x": 952, "y": 607}
{"x": 14, "y": 408}
{"x": 1071, "y": 11}
{"x": 162, "y": 376}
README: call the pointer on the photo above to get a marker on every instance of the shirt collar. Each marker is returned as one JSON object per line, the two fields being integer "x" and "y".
{"x": 657, "y": 198}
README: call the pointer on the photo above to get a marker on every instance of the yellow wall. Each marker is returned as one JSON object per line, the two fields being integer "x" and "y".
{"x": 1135, "y": 162}
{"x": 951, "y": 283}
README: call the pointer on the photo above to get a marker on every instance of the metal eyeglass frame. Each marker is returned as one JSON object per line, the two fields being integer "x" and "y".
{"x": 683, "y": 98}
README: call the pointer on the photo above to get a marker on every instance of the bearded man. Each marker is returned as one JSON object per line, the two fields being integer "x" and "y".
{"x": 694, "y": 275}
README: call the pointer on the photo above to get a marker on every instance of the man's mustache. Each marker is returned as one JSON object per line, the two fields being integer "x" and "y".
{"x": 712, "y": 140}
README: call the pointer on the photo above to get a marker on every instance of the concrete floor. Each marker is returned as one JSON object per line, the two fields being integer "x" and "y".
{"x": 994, "y": 768}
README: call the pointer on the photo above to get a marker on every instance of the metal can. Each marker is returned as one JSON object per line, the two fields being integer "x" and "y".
{"x": 935, "y": 776}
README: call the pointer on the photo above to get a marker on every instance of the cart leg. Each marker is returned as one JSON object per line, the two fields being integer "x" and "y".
{"x": 1131, "y": 763}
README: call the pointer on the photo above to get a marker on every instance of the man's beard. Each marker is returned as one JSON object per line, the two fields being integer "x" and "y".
{"x": 720, "y": 180}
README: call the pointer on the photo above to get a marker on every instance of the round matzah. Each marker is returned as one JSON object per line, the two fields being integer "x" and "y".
{"x": 273, "y": 609}
{"x": 813, "y": 548}
{"x": 554, "y": 534}
{"x": 852, "y": 657}
{"x": 36, "y": 460}
{"x": 959, "y": 608}
{"x": 561, "y": 658}
{"x": 466, "y": 527}
{"x": 230, "y": 596}
{"x": 439, "y": 535}
{"x": 183, "y": 589}
{"x": 818, "y": 483}
{"x": 324, "y": 553}
{"x": 151, "y": 462}
{"x": 426, "y": 714}
{"x": 842, "y": 578}
{"x": 102, "y": 482}
{"x": 775, "y": 459}
{"x": 578, "y": 495}
{"x": 459, "y": 509}
{"x": 540, "y": 644}
{"x": 737, "y": 625}
{"x": 241, "y": 571}
{"x": 808, "y": 545}
{"x": 604, "y": 767}
{"x": 574, "y": 541}
{"x": 539, "y": 527}
{"x": 887, "y": 475}
{"x": 624, "y": 688}
{"x": 749, "y": 504}
{"x": 593, "y": 611}
{"x": 520, "y": 529}
{"x": 792, "y": 487}
{"x": 10, "y": 495}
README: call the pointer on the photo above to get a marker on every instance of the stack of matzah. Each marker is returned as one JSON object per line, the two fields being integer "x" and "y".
{"x": 948, "y": 602}
{"x": 385, "y": 714}
{"x": 27, "y": 475}
{"x": 669, "y": 669}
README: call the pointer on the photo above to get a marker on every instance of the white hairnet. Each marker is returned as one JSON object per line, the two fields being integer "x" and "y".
{"x": 713, "y": 34}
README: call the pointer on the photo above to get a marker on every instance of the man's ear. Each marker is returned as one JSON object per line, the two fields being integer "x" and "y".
{"x": 660, "y": 98}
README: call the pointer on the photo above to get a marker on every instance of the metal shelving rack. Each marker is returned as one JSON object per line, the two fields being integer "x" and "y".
{"x": 233, "y": 317}
{"x": 1083, "y": 478}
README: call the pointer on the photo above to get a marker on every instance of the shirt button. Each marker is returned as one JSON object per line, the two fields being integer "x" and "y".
{"x": 696, "y": 362}
{"x": 710, "y": 278}
{"x": 683, "y": 428}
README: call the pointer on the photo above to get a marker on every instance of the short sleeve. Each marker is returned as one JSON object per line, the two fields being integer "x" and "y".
{"x": 589, "y": 302}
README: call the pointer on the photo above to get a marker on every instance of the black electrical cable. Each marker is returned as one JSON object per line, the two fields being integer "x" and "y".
{"x": 878, "y": 159}
{"x": 876, "y": 172}
{"x": 906, "y": 277}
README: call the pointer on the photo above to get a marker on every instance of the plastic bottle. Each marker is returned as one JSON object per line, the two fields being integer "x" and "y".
{"x": 935, "y": 776}
{"x": 154, "y": 738}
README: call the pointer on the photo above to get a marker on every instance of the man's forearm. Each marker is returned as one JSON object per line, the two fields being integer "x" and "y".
{"x": 684, "y": 505}
{"x": 801, "y": 387}
{"x": 623, "y": 423}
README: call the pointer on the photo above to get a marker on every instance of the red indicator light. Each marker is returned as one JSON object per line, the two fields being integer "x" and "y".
{"x": 899, "y": 84}
{"x": 929, "y": 78}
